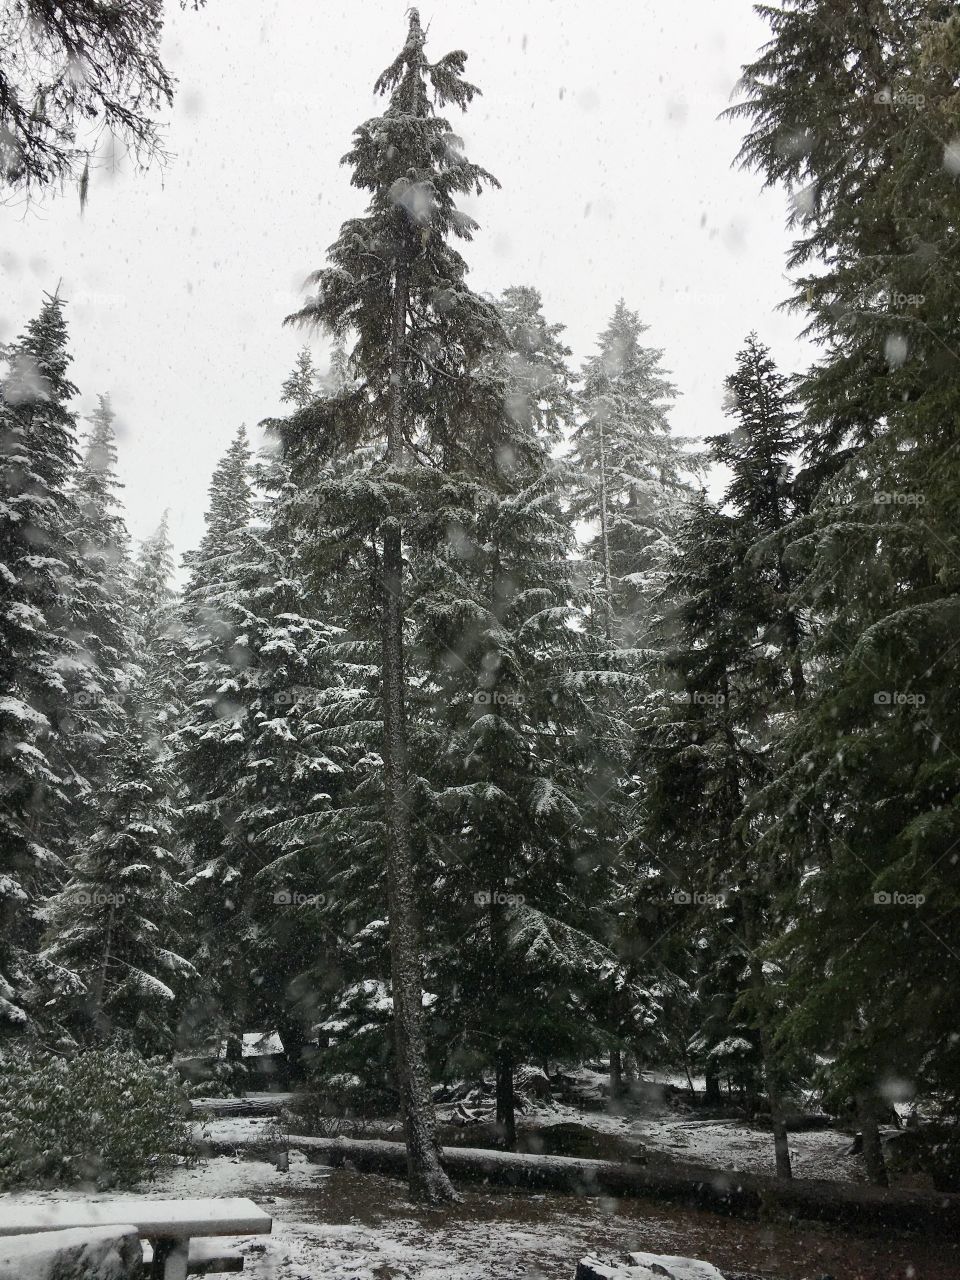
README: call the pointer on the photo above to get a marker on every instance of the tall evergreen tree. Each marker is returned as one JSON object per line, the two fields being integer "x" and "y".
{"x": 99, "y": 622}
{"x": 37, "y": 456}
{"x": 118, "y": 922}
{"x": 507, "y": 679}
{"x": 217, "y": 689}
{"x": 633, "y": 473}
{"x": 156, "y": 628}
{"x": 397, "y": 283}
{"x": 868, "y": 800}
{"x": 732, "y": 645}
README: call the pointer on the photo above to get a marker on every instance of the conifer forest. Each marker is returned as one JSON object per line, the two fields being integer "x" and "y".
{"x": 480, "y": 725}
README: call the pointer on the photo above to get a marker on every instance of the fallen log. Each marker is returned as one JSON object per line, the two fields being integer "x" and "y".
{"x": 723, "y": 1191}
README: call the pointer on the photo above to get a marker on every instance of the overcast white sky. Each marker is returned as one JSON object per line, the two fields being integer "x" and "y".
{"x": 598, "y": 119}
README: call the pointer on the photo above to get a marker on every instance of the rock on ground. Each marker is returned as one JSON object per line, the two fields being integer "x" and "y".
{"x": 648, "y": 1266}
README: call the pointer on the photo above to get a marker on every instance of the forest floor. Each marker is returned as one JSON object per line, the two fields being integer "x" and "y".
{"x": 339, "y": 1225}
{"x": 661, "y": 1125}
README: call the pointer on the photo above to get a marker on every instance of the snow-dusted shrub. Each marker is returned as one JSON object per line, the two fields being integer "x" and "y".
{"x": 104, "y": 1117}
{"x": 345, "y": 1095}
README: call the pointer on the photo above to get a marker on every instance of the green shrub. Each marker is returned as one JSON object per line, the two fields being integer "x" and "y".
{"x": 104, "y": 1118}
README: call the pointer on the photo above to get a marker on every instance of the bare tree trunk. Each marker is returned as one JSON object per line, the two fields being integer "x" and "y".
{"x": 506, "y": 1103}
{"x": 426, "y": 1176}
{"x": 711, "y": 1086}
{"x": 616, "y": 1074}
{"x": 873, "y": 1159}
{"x": 102, "y": 976}
{"x": 604, "y": 533}
{"x": 781, "y": 1145}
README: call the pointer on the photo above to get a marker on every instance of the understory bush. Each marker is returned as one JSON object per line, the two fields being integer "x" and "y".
{"x": 103, "y": 1118}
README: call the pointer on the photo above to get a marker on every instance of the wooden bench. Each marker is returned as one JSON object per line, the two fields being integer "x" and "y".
{"x": 169, "y": 1226}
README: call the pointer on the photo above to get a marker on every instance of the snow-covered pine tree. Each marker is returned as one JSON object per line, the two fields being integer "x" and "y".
{"x": 217, "y": 683}
{"x": 633, "y": 474}
{"x": 300, "y": 387}
{"x": 119, "y": 921}
{"x": 703, "y": 758}
{"x": 156, "y": 626}
{"x": 540, "y": 386}
{"x": 868, "y": 801}
{"x": 631, "y": 486}
{"x": 759, "y": 453}
{"x": 99, "y": 621}
{"x": 285, "y": 944}
{"x": 397, "y": 283}
{"x": 510, "y": 743}
{"x": 208, "y": 739}
{"x": 37, "y": 457}
{"x": 248, "y": 754}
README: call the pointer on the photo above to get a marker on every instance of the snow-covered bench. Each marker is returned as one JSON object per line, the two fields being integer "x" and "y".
{"x": 169, "y": 1226}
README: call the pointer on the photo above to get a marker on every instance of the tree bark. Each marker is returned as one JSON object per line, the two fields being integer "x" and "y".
{"x": 711, "y": 1088}
{"x": 604, "y": 533}
{"x": 781, "y": 1145}
{"x": 426, "y": 1177}
{"x": 873, "y": 1159}
{"x": 101, "y": 1030}
{"x": 616, "y": 1074}
{"x": 506, "y": 1103}
{"x": 294, "y": 1040}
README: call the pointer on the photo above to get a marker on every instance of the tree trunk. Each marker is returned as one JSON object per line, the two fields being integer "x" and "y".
{"x": 506, "y": 1110}
{"x": 711, "y": 1088}
{"x": 426, "y": 1176}
{"x": 872, "y": 1148}
{"x": 781, "y": 1146}
{"x": 604, "y": 533}
{"x": 616, "y": 1074}
{"x": 294, "y": 1041}
{"x": 101, "y": 1029}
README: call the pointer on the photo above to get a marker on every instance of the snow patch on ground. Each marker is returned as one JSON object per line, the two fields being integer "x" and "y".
{"x": 400, "y": 1248}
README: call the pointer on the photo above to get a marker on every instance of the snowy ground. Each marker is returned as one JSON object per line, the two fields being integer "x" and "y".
{"x": 675, "y": 1132}
{"x": 338, "y": 1225}
{"x": 719, "y": 1144}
